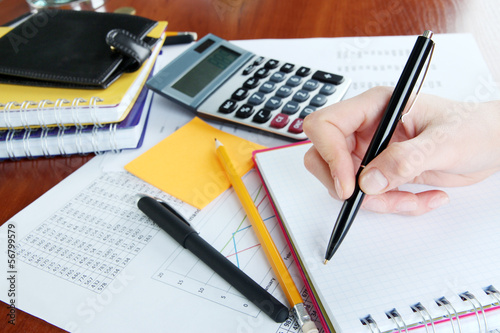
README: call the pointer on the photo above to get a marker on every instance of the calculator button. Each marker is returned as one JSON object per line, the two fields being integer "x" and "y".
{"x": 272, "y": 64}
{"x": 303, "y": 71}
{"x": 284, "y": 91}
{"x": 228, "y": 106}
{"x": 328, "y": 77}
{"x": 290, "y": 107}
{"x": 310, "y": 85}
{"x": 256, "y": 98}
{"x": 240, "y": 94}
{"x": 251, "y": 83}
{"x": 280, "y": 121}
{"x": 245, "y": 111}
{"x": 262, "y": 73}
{"x": 307, "y": 111}
{"x": 277, "y": 77}
{"x": 249, "y": 69}
{"x": 301, "y": 96}
{"x": 296, "y": 126}
{"x": 327, "y": 89}
{"x": 273, "y": 103}
{"x": 287, "y": 68}
{"x": 294, "y": 81}
{"x": 262, "y": 116}
{"x": 259, "y": 60}
{"x": 318, "y": 100}
{"x": 267, "y": 87}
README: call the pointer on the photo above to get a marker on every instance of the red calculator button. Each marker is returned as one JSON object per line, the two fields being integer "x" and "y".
{"x": 296, "y": 126}
{"x": 279, "y": 121}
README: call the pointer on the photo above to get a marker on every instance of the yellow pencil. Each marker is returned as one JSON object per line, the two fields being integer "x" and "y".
{"x": 267, "y": 243}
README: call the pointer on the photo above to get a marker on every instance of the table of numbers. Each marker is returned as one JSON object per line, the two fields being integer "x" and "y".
{"x": 95, "y": 235}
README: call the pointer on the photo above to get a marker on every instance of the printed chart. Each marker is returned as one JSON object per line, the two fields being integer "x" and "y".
{"x": 227, "y": 229}
{"x": 93, "y": 237}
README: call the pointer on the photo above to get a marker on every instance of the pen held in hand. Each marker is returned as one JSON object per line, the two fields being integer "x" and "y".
{"x": 418, "y": 57}
{"x": 182, "y": 232}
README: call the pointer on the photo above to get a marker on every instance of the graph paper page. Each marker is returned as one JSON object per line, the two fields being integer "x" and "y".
{"x": 387, "y": 261}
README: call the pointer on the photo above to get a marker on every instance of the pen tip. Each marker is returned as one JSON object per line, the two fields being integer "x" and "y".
{"x": 325, "y": 262}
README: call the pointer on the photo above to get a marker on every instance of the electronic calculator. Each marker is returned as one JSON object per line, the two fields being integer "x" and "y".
{"x": 219, "y": 80}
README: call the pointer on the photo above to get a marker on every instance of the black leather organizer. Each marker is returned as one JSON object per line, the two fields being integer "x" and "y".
{"x": 74, "y": 49}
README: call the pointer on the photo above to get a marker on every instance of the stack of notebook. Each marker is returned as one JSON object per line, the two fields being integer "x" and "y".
{"x": 59, "y": 116}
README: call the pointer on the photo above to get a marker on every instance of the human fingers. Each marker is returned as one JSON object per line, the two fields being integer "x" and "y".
{"x": 399, "y": 164}
{"x": 316, "y": 165}
{"x": 337, "y": 134}
{"x": 331, "y": 169}
{"x": 405, "y": 203}
{"x": 442, "y": 151}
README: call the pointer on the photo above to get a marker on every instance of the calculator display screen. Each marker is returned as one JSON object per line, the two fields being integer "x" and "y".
{"x": 205, "y": 71}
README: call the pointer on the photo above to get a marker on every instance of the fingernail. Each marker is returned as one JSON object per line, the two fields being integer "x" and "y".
{"x": 338, "y": 187}
{"x": 375, "y": 205}
{"x": 439, "y": 201}
{"x": 406, "y": 206}
{"x": 373, "y": 182}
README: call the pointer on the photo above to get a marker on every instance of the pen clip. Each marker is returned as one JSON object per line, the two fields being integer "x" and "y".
{"x": 173, "y": 211}
{"x": 420, "y": 86}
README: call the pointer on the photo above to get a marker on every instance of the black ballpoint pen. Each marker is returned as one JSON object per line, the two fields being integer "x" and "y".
{"x": 402, "y": 92}
{"x": 179, "y": 229}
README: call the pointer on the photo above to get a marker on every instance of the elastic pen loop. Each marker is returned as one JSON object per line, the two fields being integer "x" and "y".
{"x": 420, "y": 86}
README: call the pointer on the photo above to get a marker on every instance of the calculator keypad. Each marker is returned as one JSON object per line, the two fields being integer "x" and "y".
{"x": 275, "y": 96}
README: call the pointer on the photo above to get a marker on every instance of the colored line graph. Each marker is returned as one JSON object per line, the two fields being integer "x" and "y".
{"x": 239, "y": 229}
{"x": 226, "y": 227}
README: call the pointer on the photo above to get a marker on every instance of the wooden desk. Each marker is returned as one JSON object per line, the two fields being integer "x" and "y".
{"x": 21, "y": 182}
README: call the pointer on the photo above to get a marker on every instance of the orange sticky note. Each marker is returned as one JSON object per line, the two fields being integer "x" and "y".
{"x": 185, "y": 165}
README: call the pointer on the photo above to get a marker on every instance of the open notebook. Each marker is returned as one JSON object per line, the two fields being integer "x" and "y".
{"x": 389, "y": 264}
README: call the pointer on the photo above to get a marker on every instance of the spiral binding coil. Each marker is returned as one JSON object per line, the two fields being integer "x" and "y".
{"x": 112, "y": 139}
{"x": 57, "y": 112}
{"x": 370, "y": 322}
{"x": 490, "y": 290}
{"x": 27, "y": 128}
{"x": 8, "y": 112}
{"x": 451, "y": 314}
{"x": 467, "y": 296}
{"x": 74, "y": 111}
{"x": 397, "y": 319}
{"x": 40, "y": 114}
{"x": 428, "y": 321}
{"x": 10, "y": 135}
{"x": 425, "y": 316}
{"x": 93, "y": 110}
{"x": 97, "y": 124}
{"x": 45, "y": 129}
{"x": 62, "y": 127}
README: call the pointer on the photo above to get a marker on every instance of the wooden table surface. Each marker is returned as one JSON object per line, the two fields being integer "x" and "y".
{"x": 23, "y": 181}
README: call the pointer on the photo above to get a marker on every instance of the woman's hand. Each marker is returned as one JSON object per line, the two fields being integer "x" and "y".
{"x": 441, "y": 143}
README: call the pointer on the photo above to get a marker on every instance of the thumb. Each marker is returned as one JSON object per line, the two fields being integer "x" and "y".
{"x": 398, "y": 164}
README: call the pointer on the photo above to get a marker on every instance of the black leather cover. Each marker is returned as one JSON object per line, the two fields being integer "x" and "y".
{"x": 62, "y": 48}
